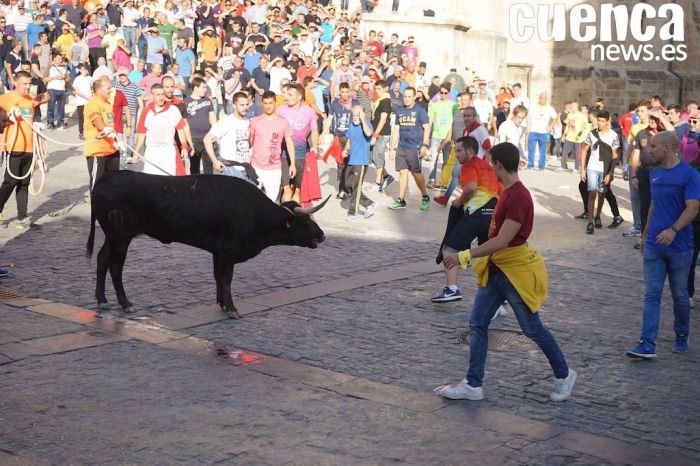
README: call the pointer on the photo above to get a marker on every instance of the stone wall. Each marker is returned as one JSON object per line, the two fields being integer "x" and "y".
{"x": 567, "y": 70}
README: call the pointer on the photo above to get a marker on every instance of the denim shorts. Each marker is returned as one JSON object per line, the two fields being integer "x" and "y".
{"x": 594, "y": 181}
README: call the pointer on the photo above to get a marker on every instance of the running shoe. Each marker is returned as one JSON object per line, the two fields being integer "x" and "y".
{"x": 642, "y": 351}
{"x": 425, "y": 203}
{"x": 447, "y": 295}
{"x": 441, "y": 199}
{"x": 398, "y": 204}
{"x": 563, "y": 387}
{"x": 617, "y": 221}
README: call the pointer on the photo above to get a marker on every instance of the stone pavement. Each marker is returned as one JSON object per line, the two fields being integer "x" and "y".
{"x": 338, "y": 351}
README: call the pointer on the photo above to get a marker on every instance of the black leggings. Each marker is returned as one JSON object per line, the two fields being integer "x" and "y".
{"x": 104, "y": 163}
{"x": 19, "y": 164}
{"x": 609, "y": 196}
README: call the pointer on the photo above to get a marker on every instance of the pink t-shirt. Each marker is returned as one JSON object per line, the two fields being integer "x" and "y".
{"x": 267, "y": 135}
{"x": 94, "y": 40}
{"x": 302, "y": 121}
{"x": 121, "y": 59}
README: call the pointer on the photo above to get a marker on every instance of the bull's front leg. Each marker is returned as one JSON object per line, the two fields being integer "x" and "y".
{"x": 227, "y": 276}
{"x": 103, "y": 260}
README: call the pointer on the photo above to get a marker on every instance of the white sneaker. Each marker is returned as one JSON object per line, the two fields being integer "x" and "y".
{"x": 632, "y": 231}
{"x": 563, "y": 387}
{"x": 460, "y": 391}
{"x": 369, "y": 210}
{"x": 500, "y": 312}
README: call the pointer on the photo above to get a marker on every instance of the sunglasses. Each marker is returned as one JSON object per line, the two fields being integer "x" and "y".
{"x": 443, "y": 93}
{"x": 694, "y": 121}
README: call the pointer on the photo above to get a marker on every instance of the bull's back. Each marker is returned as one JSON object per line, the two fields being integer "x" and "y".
{"x": 197, "y": 210}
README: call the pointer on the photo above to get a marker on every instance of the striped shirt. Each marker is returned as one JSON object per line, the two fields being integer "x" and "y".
{"x": 20, "y": 22}
{"x": 131, "y": 92}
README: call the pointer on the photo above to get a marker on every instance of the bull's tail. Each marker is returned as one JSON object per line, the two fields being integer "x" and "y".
{"x": 91, "y": 237}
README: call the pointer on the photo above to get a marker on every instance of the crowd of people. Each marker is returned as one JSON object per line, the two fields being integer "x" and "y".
{"x": 260, "y": 90}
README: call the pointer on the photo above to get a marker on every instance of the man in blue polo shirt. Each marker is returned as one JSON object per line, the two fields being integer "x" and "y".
{"x": 409, "y": 144}
{"x": 667, "y": 243}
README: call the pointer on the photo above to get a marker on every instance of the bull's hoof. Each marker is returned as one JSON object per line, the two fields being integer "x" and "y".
{"x": 103, "y": 306}
{"x": 129, "y": 310}
{"x": 233, "y": 313}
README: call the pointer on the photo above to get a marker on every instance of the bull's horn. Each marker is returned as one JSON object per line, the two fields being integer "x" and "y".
{"x": 310, "y": 210}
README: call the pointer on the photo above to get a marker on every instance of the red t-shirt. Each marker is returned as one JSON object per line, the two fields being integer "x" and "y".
{"x": 117, "y": 106}
{"x": 626, "y": 123}
{"x": 514, "y": 204}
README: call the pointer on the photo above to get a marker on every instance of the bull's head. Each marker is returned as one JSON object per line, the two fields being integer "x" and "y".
{"x": 4, "y": 120}
{"x": 301, "y": 228}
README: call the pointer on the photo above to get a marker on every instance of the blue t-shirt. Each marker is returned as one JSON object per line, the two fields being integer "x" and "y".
{"x": 327, "y": 36}
{"x": 359, "y": 144}
{"x": 670, "y": 188}
{"x": 184, "y": 58}
{"x": 153, "y": 44}
{"x": 251, "y": 61}
{"x": 411, "y": 121}
{"x": 341, "y": 117}
{"x": 33, "y": 31}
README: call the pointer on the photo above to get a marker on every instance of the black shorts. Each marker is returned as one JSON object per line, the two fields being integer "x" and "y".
{"x": 408, "y": 159}
{"x": 296, "y": 181}
{"x": 471, "y": 226}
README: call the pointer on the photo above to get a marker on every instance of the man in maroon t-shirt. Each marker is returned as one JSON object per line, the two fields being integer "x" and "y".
{"x": 509, "y": 257}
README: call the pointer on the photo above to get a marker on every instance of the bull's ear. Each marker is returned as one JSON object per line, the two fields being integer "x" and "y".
{"x": 289, "y": 224}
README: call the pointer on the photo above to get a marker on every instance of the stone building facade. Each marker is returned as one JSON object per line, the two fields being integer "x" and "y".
{"x": 474, "y": 37}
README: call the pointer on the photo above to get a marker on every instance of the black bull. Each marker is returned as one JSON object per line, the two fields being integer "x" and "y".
{"x": 226, "y": 216}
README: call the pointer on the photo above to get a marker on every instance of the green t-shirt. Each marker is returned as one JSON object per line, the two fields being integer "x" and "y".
{"x": 166, "y": 32}
{"x": 441, "y": 114}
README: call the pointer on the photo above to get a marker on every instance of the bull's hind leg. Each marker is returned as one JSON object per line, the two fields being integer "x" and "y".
{"x": 118, "y": 255}
{"x": 217, "y": 279}
{"x": 103, "y": 261}
{"x": 225, "y": 277}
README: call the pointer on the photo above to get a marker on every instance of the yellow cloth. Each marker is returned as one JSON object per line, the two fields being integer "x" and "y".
{"x": 525, "y": 270}
{"x": 446, "y": 174}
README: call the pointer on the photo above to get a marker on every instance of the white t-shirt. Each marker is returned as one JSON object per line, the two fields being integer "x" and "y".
{"x": 484, "y": 108}
{"x": 57, "y": 84}
{"x": 540, "y": 116}
{"x": 232, "y": 133}
{"x": 509, "y": 132}
{"x": 277, "y": 74}
{"x": 82, "y": 85}
{"x": 521, "y": 100}
{"x": 610, "y": 138}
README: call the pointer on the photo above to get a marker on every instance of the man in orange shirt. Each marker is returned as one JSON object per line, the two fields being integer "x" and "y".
{"x": 209, "y": 48}
{"x": 19, "y": 143}
{"x": 480, "y": 192}
{"x": 100, "y": 137}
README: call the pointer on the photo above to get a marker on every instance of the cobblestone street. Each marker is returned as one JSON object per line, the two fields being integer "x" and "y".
{"x": 338, "y": 350}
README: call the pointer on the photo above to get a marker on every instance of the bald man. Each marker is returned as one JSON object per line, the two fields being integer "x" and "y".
{"x": 667, "y": 243}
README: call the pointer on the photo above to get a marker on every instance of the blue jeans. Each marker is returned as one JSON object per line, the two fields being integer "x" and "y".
{"x": 658, "y": 263}
{"x": 142, "y": 45}
{"x": 434, "y": 143}
{"x": 634, "y": 200}
{"x": 537, "y": 140}
{"x": 454, "y": 180}
{"x": 130, "y": 38}
{"x": 54, "y": 112}
{"x": 486, "y": 304}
